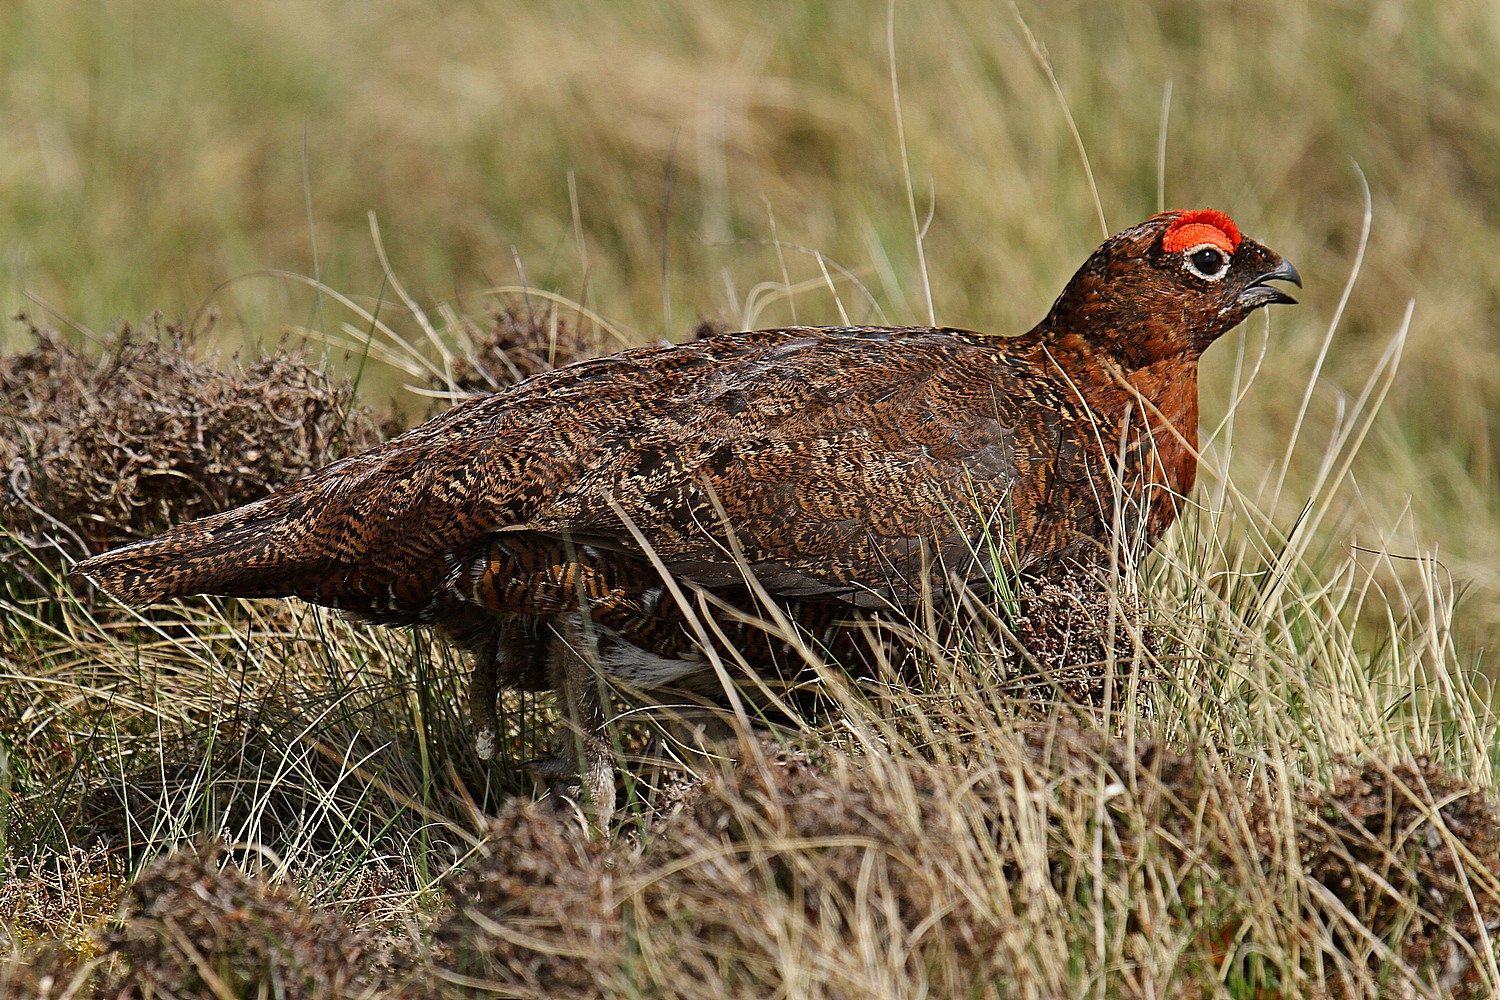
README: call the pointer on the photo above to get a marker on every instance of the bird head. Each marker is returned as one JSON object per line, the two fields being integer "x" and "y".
{"x": 1169, "y": 287}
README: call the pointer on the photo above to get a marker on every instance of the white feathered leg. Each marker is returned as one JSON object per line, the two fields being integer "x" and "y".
{"x": 590, "y": 759}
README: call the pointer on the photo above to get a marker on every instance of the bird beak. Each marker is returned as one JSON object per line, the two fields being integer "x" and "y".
{"x": 1258, "y": 293}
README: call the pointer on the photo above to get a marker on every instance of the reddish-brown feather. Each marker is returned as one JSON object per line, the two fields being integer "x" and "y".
{"x": 839, "y": 468}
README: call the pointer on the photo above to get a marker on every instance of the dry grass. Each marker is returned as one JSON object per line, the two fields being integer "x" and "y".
{"x": 523, "y": 337}
{"x": 59, "y": 898}
{"x": 1054, "y": 857}
{"x": 1269, "y": 767}
{"x": 894, "y": 877}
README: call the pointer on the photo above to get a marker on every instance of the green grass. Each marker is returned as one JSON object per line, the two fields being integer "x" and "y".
{"x": 1332, "y": 601}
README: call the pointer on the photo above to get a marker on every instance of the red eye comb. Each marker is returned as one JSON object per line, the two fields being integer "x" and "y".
{"x": 1191, "y": 229}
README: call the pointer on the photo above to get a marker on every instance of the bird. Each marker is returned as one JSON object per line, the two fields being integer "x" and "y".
{"x": 558, "y": 528}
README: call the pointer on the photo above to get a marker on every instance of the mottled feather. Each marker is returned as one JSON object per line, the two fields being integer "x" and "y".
{"x": 854, "y": 466}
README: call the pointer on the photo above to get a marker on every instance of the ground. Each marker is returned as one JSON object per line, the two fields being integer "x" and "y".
{"x": 1282, "y": 785}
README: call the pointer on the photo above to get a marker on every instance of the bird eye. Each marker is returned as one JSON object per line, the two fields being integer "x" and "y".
{"x": 1206, "y": 261}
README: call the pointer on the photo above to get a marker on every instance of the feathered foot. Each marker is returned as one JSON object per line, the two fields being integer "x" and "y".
{"x": 483, "y": 692}
{"x": 585, "y": 772}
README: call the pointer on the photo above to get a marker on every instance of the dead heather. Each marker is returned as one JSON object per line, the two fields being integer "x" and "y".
{"x": 878, "y": 877}
{"x": 524, "y": 332}
{"x": 108, "y": 446}
{"x": 194, "y": 925}
{"x": 207, "y": 922}
{"x": 1079, "y": 641}
{"x": 851, "y": 862}
{"x": 1404, "y": 859}
{"x": 524, "y": 335}
{"x": 891, "y": 877}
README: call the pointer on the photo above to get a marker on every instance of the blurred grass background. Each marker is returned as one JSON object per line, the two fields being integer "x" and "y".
{"x": 661, "y": 164}
{"x": 642, "y": 158}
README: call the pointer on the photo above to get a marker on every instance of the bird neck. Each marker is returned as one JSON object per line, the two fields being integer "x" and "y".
{"x": 1153, "y": 400}
{"x": 1130, "y": 342}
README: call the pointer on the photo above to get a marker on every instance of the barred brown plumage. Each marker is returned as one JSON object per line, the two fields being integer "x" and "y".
{"x": 835, "y": 468}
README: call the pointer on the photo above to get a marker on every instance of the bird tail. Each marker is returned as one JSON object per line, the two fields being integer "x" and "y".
{"x": 245, "y": 552}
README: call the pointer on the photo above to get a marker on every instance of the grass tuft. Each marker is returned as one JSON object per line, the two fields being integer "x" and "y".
{"x": 106, "y": 447}
{"x": 1260, "y": 763}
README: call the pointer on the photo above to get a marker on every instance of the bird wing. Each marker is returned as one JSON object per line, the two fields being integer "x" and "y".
{"x": 829, "y": 462}
{"x": 842, "y": 464}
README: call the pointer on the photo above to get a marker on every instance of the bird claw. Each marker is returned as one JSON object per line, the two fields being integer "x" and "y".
{"x": 550, "y": 769}
{"x": 591, "y": 792}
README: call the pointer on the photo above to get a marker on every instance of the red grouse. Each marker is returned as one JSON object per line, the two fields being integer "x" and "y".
{"x": 844, "y": 467}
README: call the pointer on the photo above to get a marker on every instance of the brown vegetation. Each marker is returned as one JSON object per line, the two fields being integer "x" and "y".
{"x": 874, "y": 877}
{"x": 1410, "y": 858}
{"x": 99, "y": 449}
{"x": 949, "y": 854}
{"x": 823, "y": 859}
{"x": 1078, "y": 640}
{"x": 524, "y": 336}
{"x": 194, "y": 925}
